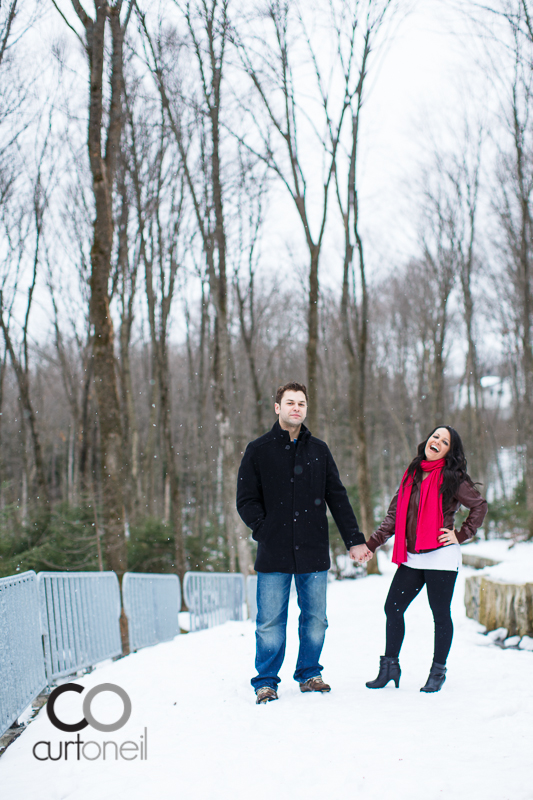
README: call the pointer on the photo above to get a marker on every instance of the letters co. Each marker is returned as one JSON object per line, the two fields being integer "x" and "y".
{"x": 88, "y": 718}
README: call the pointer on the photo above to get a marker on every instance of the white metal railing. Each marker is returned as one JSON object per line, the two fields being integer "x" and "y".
{"x": 22, "y": 674}
{"x": 80, "y": 614}
{"x": 152, "y": 604}
{"x": 251, "y": 596}
{"x": 56, "y": 623}
{"x": 213, "y": 598}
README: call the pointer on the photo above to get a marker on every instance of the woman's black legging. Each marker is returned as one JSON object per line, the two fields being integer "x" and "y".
{"x": 405, "y": 586}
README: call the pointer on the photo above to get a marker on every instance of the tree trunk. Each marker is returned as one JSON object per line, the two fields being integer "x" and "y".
{"x": 438, "y": 371}
{"x": 85, "y": 432}
{"x": 475, "y": 432}
{"x": 170, "y": 466}
{"x": 131, "y": 434}
{"x": 103, "y": 170}
{"x": 237, "y": 539}
{"x": 29, "y": 415}
{"x": 524, "y": 292}
{"x": 128, "y": 284}
{"x": 248, "y": 335}
{"x": 219, "y": 293}
{"x": 312, "y": 342}
{"x": 527, "y": 359}
{"x": 162, "y": 298}
{"x": 356, "y": 356}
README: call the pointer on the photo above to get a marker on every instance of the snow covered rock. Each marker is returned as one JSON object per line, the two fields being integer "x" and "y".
{"x": 478, "y": 562}
{"x": 526, "y": 643}
{"x": 512, "y": 641}
{"x": 498, "y": 635}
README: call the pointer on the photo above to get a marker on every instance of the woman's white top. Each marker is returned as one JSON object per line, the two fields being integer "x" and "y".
{"x": 445, "y": 558}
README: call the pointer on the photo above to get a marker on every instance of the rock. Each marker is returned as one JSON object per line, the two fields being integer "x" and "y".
{"x": 512, "y": 641}
{"x": 478, "y": 562}
{"x": 526, "y": 643}
{"x": 498, "y": 635}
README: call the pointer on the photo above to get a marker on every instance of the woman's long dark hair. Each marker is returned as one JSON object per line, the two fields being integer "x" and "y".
{"x": 454, "y": 472}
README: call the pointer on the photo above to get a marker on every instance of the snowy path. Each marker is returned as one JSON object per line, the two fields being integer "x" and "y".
{"x": 207, "y": 739}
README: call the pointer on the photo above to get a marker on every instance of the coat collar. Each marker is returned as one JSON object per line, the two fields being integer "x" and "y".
{"x": 277, "y": 430}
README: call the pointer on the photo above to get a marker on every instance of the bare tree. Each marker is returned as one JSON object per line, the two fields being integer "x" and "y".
{"x": 515, "y": 212}
{"x": 208, "y": 35}
{"x": 6, "y": 25}
{"x": 161, "y": 230}
{"x": 281, "y": 126}
{"x": 69, "y": 264}
{"x": 126, "y": 288}
{"x": 464, "y": 176}
{"x": 250, "y": 213}
{"x": 21, "y": 362}
{"x": 104, "y": 137}
{"x": 354, "y": 315}
{"x": 440, "y": 250}
{"x": 507, "y": 29}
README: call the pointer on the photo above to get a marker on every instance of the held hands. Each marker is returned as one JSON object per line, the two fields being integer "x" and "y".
{"x": 360, "y": 553}
{"x": 448, "y": 537}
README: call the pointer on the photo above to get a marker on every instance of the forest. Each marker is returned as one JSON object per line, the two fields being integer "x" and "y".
{"x": 186, "y": 223}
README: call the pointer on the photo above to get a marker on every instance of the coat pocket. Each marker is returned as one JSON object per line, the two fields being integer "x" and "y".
{"x": 259, "y": 530}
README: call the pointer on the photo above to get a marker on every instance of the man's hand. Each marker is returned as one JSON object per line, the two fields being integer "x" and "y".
{"x": 361, "y": 553}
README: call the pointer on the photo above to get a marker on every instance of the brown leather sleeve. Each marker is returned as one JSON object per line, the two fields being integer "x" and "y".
{"x": 469, "y": 497}
{"x": 386, "y": 529}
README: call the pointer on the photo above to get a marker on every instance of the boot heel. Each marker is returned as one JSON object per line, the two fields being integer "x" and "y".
{"x": 437, "y": 676}
{"x": 389, "y": 670}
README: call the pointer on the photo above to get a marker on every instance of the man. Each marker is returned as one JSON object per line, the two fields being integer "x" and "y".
{"x": 285, "y": 480}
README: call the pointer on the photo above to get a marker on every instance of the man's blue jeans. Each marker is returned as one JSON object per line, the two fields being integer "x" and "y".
{"x": 273, "y": 589}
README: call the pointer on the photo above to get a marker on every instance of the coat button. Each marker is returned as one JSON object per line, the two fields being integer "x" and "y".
{"x": 287, "y": 447}
{"x": 296, "y": 513}
{"x": 296, "y": 546}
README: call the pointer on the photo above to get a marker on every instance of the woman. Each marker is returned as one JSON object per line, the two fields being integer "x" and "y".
{"x": 426, "y": 546}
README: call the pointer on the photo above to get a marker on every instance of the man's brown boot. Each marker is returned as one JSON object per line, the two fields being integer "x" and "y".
{"x": 315, "y": 685}
{"x": 265, "y": 694}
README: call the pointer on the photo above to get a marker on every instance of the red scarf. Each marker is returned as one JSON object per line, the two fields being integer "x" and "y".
{"x": 430, "y": 519}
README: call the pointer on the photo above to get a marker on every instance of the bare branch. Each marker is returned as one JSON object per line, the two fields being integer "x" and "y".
{"x": 67, "y": 23}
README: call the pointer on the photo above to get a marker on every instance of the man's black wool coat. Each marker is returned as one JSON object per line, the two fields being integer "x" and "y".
{"x": 282, "y": 491}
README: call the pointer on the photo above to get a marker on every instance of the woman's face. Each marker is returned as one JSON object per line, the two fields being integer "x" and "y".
{"x": 438, "y": 444}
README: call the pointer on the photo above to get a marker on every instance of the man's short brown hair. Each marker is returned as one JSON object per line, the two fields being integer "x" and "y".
{"x": 291, "y": 387}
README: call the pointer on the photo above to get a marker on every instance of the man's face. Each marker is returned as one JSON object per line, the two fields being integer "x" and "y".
{"x": 293, "y": 408}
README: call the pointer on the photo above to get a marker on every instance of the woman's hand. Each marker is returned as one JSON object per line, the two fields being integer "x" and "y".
{"x": 448, "y": 537}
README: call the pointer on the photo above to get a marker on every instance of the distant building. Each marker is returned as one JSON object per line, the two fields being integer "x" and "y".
{"x": 497, "y": 395}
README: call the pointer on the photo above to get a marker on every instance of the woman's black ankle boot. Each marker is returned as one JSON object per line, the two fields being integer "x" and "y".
{"x": 437, "y": 676}
{"x": 389, "y": 670}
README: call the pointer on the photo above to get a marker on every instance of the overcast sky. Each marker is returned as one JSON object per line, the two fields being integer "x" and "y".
{"x": 419, "y": 87}
{"x": 423, "y": 83}
{"x": 427, "y": 81}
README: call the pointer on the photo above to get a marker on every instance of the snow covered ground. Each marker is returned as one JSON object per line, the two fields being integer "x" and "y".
{"x": 207, "y": 739}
